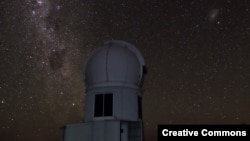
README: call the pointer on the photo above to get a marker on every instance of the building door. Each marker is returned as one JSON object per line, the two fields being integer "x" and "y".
{"x": 124, "y": 131}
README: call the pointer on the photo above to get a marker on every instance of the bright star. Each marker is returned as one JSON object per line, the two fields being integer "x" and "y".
{"x": 40, "y": 2}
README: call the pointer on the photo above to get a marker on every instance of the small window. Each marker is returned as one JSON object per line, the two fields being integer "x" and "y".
{"x": 98, "y": 105}
{"x": 103, "y": 105}
{"x": 139, "y": 107}
{"x": 108, "y": 104}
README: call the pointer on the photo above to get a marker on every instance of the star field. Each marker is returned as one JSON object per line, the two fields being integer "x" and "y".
{"x": 197, "y": 54}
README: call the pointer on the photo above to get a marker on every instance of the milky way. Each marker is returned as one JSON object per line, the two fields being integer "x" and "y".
{"x": 53, "y": 56}
{"x": 49, "y": 53}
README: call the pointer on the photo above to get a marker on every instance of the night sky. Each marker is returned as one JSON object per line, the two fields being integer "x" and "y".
{"x": 197, "y": 53}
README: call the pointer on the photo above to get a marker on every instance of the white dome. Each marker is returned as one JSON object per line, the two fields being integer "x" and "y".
{"x": 114, "y": 63}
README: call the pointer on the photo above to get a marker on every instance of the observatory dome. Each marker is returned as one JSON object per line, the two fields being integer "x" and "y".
{"x": 114, "y": 63}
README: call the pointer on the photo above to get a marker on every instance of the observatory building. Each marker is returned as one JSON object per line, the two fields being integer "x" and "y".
{"x": 113, "y": 75}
